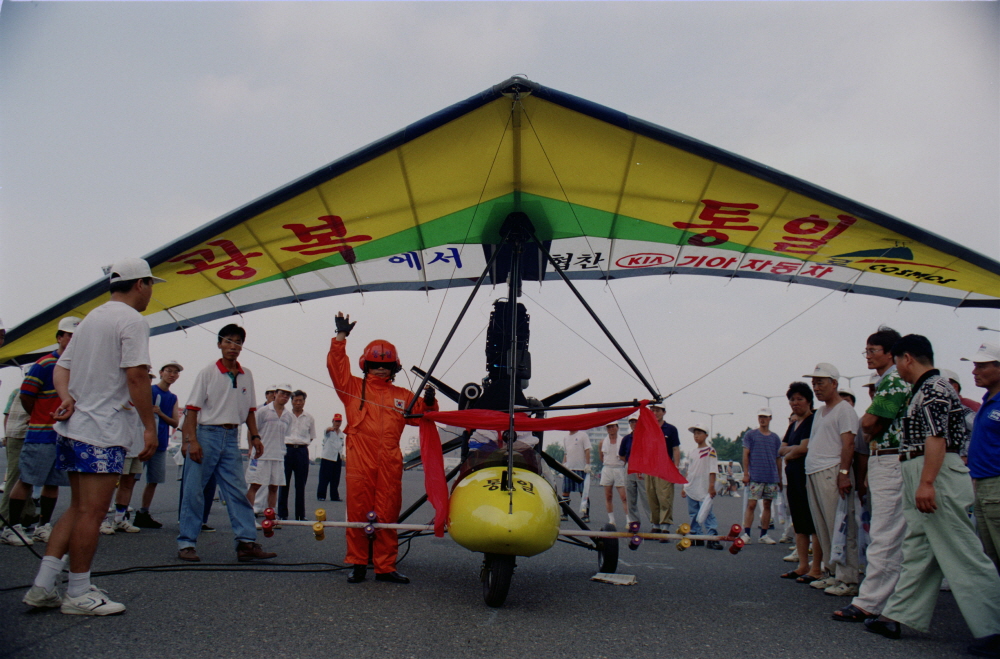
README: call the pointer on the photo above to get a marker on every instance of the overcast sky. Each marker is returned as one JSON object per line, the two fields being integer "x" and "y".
{"x": 126, "y": 125}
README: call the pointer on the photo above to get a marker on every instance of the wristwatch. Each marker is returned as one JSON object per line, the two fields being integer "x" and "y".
{"x": 254, "y": 436}
{"x": 844, "y": 472}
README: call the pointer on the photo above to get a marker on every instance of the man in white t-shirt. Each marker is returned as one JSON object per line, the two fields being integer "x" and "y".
{"x": 613, "y": 471}
{"x": 577, "y": 460}
{"x": 103, "y": 382}
{"x": 273, "y": 422}
{"x": 700, "y": 487}
{"x": 828, "y": 469}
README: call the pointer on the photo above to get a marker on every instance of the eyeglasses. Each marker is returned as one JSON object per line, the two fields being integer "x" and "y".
{"x": 871, "y": 351}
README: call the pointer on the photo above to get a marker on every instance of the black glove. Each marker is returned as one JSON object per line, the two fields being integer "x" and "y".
{"x": 344, "y": 326}
{"x": 429, "y": 395}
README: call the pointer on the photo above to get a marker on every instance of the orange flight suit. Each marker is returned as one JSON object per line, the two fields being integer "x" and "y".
{"x": 374, "y": 461}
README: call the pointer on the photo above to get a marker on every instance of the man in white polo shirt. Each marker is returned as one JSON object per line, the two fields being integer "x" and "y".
{"x": 103, "y": 382}
{"x": 273, "y": 422}
{"x": 300, "y": 435}
{"x": 222, "y": 398}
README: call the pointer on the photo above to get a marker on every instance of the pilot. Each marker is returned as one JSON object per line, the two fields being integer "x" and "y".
{"x": 375, "y": 423}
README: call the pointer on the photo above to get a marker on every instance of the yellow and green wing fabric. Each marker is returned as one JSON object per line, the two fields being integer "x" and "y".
{"x": 611, "y": 195}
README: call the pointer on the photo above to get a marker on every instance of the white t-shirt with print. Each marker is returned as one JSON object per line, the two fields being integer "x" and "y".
{"x": 609, "y": 453}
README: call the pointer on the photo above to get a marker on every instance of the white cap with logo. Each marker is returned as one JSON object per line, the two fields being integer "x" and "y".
{"x": 764, "y": 411}
{"x": 287, "y": 388}
{"x": 68, "y": 324}
{"x": 129, "y": 269}
{"x": 174, "y": 363}
{"x": 698, "y": 426}
{"x": 988, "y": 352}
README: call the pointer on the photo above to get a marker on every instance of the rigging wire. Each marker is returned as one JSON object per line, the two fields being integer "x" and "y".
{"x": 616, "y": 364}
{"x": 465, "y": 241}
{"x": 754, "y": 344}
{"x": 586, "y": 238}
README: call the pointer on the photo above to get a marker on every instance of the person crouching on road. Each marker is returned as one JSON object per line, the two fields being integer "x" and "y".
{"x": 375, "y": 421}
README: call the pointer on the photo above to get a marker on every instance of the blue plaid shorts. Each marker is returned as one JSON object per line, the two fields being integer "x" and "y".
{"x": 89, "y": 459}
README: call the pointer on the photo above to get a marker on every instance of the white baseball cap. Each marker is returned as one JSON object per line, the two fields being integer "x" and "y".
{"x": 68, "y": 324}
{"x": 287, "y": 388}
{"x": 847, "y": 392}
{"x": 872, "y": 381}
{"x": 951, "y": 375}
{"x": 698, "y": 426}
{"x": 824, "y": 370}
{"x": 129, "y": 269}
{"x": 764, "y": 411}
{"x": 988, "y": 352}
{"x": 175, "y": 363}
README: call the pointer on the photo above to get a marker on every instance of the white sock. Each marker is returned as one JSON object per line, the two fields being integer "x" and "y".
{"x": 48, "y": 572}
{"x": 78, "y": 584}
{"x": 611, "y": 517}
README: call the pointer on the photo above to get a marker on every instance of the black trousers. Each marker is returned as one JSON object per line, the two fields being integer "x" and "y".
{"x": 296, "y": 464}
{"x": 329, "y": 479}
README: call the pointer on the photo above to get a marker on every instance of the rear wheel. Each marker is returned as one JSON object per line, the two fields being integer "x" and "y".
{"x": 497, "y": 572}
{"x": 607, "y": 551}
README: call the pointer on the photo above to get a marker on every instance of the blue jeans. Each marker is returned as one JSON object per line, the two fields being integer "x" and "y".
{"x": 711, "y": 526}
{"x": 220, "y": 458}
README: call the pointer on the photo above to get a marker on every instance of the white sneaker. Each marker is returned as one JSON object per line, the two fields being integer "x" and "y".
{"x": 15, "y": 536}
{"x": 767, "y": 540}
{"x": 823, "y": 584}
{"x": 40, "y": 598}
{"x": 42, "y": 533}
{"x": 126, "y": 525}
{"x": 792, "y": 557}
{"x": 745, "y": 538}
{"x": 94, "y": 602}
{"x": 107, "y": 528}
{"x": 841, "y": 589}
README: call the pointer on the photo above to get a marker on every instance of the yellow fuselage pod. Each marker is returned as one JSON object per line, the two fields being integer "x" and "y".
{"x": 481, "y": 519}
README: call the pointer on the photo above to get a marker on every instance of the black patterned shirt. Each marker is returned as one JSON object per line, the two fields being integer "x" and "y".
{"x": 933, "y": 410}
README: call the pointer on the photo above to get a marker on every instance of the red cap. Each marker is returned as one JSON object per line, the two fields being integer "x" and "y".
{"x": 337, "y": 417}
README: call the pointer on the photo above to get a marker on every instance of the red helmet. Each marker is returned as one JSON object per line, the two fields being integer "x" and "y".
{"x": 380, "y": 351}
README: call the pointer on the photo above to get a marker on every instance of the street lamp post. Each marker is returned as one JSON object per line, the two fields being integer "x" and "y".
{"x": 711, "y": 420}
{"x": 983, "y": 328}
{"x": 767, "y": 398}
{"x": 852, "y": 378}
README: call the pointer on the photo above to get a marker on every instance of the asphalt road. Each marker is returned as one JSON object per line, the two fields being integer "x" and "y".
{"x": 691, "y": 604}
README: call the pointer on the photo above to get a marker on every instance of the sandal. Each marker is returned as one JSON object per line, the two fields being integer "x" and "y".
{"x": 791, "y": 575}
{"x": 850, "y": 613}
{"x": 807, "y": 579}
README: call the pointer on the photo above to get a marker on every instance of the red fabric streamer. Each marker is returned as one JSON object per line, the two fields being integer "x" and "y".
{"x": 649, "y": 450}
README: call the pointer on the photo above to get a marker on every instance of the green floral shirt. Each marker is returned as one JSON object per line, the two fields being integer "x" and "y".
{"x": 889, "y": 402}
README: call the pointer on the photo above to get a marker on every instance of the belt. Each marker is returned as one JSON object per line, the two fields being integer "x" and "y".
{"x": 296, "y": 445}
{"x": 227, "y": 426}
{"x": 905, "y": 455}
{"x": 886, "y": 451}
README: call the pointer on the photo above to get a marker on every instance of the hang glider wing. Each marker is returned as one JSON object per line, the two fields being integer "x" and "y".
{"x": 612, "y": 196}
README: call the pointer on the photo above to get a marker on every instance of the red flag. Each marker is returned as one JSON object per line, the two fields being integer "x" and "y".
{"x": 649, "y": 450}
{"x": 434, "y": 480}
